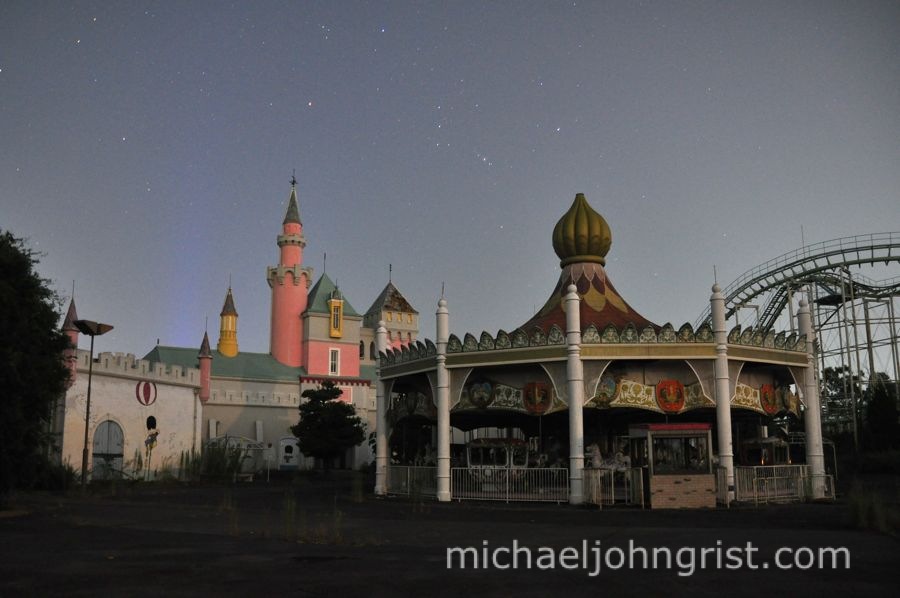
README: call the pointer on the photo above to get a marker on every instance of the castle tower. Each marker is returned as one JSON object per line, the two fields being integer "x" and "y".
{"x": 289, "y": 282}
{"x": 228, "y": 345}
{"x": 205, "y": 358}
{"x": 69, "y": 355}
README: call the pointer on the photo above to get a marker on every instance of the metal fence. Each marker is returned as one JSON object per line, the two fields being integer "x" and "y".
{"x": 780, "y": 483}
{"x": 606, "y": 487}
{"x": 412, "y": 480}
{"x": 548, "y": 484}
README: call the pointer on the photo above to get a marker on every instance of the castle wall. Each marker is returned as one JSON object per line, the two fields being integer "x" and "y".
{"x": 120, "y": 387}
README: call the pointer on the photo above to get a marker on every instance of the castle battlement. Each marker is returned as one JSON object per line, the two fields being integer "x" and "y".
{"x": 126, "y": 365}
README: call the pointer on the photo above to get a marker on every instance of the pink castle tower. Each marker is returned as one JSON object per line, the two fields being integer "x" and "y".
{"x": 69, "y": 355}
{"x": 289, "y": 282}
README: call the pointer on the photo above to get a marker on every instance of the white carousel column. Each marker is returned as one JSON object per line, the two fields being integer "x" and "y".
{"x": 812, "y": 417}
{"x": 381, "y": 444}
{"x": 575, "y": 385}
{"x": 443, "y": 403}
{"x": 723, "y": 388}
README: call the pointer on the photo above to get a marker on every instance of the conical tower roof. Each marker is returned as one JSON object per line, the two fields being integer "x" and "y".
{"x": 582, "y": 239}
{"x": 292, "y": 216}
{"x": 390, "y": 299}
{"x": 205, "y": 351}
{"x": 228, "y": 308}
{"x": 71, "y": 316}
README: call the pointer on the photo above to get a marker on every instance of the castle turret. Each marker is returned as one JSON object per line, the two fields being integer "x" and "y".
{"x": 70, "y": 354}
{"x": 228, "y": 345}
{"x": 289, "y": 282}
{"x": 205, "y": 358}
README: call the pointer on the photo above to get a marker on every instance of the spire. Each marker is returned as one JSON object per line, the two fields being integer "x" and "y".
{"x": 293, "y": 210}
{"x": 71, "y": 316}
{"x": 228, "y": 308}
{"x": 228, "y": 345}
{"x": 204, "y": 347}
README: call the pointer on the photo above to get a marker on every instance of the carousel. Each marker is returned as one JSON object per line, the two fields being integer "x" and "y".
{"x": 589, "y": 401}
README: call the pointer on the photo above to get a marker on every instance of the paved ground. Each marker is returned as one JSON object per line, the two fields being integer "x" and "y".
{"x": 315, "y": 537}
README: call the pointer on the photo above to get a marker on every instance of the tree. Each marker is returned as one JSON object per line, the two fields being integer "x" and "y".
{"x": 881, "y": 413}
{"x": 32, "y": 374}
{"x": 327, "y": 426}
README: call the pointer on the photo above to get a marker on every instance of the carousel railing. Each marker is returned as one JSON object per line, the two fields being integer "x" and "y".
{"x": 545, "y": 484}
{"x": 780, "y": 483}
{"x": 412, "y": 480}
{"x": 606, "y": 487}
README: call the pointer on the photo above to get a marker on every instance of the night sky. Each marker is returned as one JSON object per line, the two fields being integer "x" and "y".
{"x": 146, "y": 148}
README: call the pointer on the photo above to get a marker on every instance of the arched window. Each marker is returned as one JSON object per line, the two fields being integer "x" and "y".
{"x": 372, "y": 350}
{"x": 362, "y": 349}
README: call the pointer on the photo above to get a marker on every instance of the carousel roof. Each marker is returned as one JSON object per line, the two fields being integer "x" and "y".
{"x": 582, "y": 239}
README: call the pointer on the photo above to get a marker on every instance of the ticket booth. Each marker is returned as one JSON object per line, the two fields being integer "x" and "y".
{"x": 676, "y": 463}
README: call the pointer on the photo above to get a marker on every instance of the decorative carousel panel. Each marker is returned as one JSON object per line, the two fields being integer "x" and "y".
{"x": 746, "y": 397}
{"x": 590, "y": 336}
{"x": 768, "y": 400}
{"x": 686, "y": 333}
{"x": 790, "y": 341}
{"x": 413, "y": 352}
{"x": 747, "y": 336}
{"x": 648, "y": 335}
{"x": 503, "y": 341}
{"x": 704, "y": 334}
{"x": 607, "y": 392}
{"x": 469, "y": 343}
{"x": 635, "y": 394}
{"x": 769, "y": 341}
{"x": 538, "y": 338}
{"x": 610, "y": 335}
{"x": 507, "y": 397}
{"x": 404, "y": 353}
{"x": 734, "y": 337}
{"x": 800, "y": 345}
{"x": 476, "y": 395}
{"x": 430, "y": 349}
{"x": 779, "y": 340}
{"x": 556, "y": 336}
{"x": 519, "y": 339}
{"x": 453, "y": 344}
{"x": 694, "y": 398}
{"x": 667, "y": 334}
{"x": 423, "y": 348}
{"x": 486, "y": 343}
{"x": 538, "y": 398}
{"x": 629, "y": 334}
{"x": 670, "y": 396}
{"x": 787, "y": 400}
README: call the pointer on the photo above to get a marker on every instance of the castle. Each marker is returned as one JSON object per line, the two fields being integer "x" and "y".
{"x": 198, "y": 394}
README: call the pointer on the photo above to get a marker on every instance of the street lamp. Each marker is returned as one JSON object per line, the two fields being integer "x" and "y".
{"x": 91, "y": 329}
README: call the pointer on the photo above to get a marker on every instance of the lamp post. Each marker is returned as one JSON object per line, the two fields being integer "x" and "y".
{"x": 91, "y": 329}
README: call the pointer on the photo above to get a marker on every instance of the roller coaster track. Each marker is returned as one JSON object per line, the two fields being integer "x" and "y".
{"x": 820, "y": 263}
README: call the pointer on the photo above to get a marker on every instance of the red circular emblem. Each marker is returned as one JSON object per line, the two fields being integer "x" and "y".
{"x": 145, "y": 392}
{"x": 537, "y": 397}
{"x": 768, "y": 399}
{"x": 670, "y": 395}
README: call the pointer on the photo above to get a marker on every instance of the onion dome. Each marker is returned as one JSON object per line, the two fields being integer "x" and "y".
{"x": 581, "y": 235}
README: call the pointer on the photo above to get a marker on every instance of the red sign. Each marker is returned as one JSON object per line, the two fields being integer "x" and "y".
{"x": 537, "y": 397}
{"x": 768, "y": 399}
{"x": 145, "y": 392}
{"x": 670, "y": 395}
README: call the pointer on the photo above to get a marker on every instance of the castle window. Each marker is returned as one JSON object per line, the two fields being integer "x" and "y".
{"x": 409, "y": 318}
{"x": 336, "y": 324}
{"x": 390, "y": 317}
{"x": 334, "y": 362}
{"x": 362, "y": 349}
{"x": 372, "y": 350}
